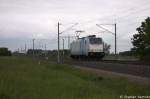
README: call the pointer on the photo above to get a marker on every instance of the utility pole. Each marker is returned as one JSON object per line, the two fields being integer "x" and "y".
{"x": 21, "y": 49}
{"x": 45, "y": 50}
{"x": 45, "y": 47}
{"x": 33, "y": 45}
{"x": 25, "y": 48}
{"x": 115, "y": 34}
{"x": 18, "y": 50}
{"x": 115, "y": 39}
{"x": 58, "y": 57}
{"x": 63, "y": 50}
{"x": 69, "y": 39}
{"x": 68, "y": 42}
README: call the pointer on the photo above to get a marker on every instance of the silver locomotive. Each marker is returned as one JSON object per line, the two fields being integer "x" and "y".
{"x": 87, "y": 47}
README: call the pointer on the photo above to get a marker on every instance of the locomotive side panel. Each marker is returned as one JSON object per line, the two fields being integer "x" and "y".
{"x": 86, "y": 46}
{"x": 75, "y": 48}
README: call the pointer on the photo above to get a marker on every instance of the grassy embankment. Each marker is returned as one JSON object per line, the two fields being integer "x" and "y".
{"x": 22, "y": 78}
{"x": 120, "y": 57}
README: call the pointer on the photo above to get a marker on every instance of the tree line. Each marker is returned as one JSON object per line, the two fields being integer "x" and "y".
{"x": 5, "y": 52}
{"x": 141, "y": 40}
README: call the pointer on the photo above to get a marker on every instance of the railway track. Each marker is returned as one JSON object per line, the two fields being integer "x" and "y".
{"x": 145, "y": 63}
{"x": 136, "y": 68}
{"x": 125, "y": 67}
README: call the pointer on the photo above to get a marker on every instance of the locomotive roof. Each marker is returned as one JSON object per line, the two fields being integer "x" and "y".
{"x": 90, "y": 36}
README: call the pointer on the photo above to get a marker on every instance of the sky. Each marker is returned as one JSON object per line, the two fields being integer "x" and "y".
{"x": 23, "y": 20}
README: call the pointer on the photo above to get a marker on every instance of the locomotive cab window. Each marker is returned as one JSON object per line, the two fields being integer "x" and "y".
{"x": 95, "y": 41}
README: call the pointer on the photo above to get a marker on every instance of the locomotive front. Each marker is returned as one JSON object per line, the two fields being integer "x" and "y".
{"x": 96, "y": 47}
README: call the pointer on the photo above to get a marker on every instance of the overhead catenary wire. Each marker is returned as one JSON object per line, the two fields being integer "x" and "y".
{"x": 135, "y": 8}
{"x": 69, "y": 28}
{"x": 132, "y": 13}
{"x": 58, "y": 48}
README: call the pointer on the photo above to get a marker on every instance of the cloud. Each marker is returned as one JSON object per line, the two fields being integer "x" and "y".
{"x": 38, "y": 18}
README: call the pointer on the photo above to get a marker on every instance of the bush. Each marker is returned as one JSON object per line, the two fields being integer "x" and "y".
{"x": 146, "y": 54}
{"x": 5, "y": 52}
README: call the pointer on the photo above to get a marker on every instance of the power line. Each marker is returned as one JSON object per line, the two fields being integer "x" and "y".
{"x": 69, "y": 38}
{"x": 134, "y": 8}
{"x": 58, "y": 56}
{"x": 130, "y": 10}
{"x": 33, "y": 45}
{"x": 69, "y": 28}
{"x": 113, "y": 33}
{"x": 99, "y": 25}
{"x": 133, "y": 12}
{"x": 137, "y": 6}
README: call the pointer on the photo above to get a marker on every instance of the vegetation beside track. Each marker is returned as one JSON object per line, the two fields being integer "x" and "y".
{"x": 24, "y": 78}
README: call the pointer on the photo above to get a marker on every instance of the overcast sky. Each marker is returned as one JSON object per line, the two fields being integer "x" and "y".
{"x": 22, "y": 20}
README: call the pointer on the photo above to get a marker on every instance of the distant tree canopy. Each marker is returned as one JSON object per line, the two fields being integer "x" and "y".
{"x": 107, "y": 48}
{"x": 141, "y": 40}
{"x": 5, "y": 52}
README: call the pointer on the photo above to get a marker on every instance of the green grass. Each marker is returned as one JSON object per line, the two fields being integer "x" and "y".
{"x": 22, "y": 78}
{"x": 120, "y": 57}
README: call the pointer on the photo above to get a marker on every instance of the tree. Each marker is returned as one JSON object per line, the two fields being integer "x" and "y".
{"x": 106, "y": 48}
{"x": 5, "y": 52}
{"x": 141, "y": 40}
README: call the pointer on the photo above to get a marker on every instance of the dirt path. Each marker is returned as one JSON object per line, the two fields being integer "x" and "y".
{"x": 137, "y": 70}
{"x": 130, "y": 78}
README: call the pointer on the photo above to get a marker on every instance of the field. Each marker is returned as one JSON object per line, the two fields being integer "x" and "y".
{"x": 25, "y": 78}
{"x": 120, "y": 57}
